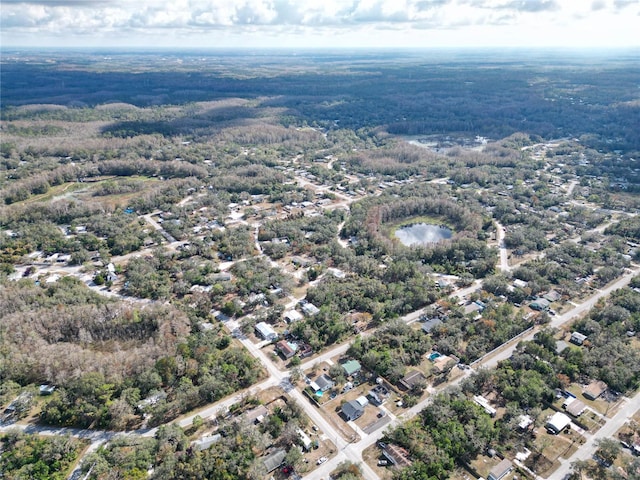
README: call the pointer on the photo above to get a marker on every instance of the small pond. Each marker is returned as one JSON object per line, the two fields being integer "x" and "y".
{"x": 422, "y": 234}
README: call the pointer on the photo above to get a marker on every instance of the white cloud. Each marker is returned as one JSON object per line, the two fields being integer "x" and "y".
{"x": 321, "y": 22}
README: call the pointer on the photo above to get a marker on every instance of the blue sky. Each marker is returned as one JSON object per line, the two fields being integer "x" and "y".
{"x": 320, "y": 23}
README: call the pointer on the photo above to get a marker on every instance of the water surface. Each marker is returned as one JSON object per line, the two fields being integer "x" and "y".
{"x": 422, "y": 234}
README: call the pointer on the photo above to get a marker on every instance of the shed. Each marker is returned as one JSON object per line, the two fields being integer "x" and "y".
{"x": 266, "y": 331}
{"x": 578, "y": 338}
{"x": 558, "y": 422}
{"x": 352, "y": 367}
{"x": 274, "y": 460}
{"x": 501, "y": 470}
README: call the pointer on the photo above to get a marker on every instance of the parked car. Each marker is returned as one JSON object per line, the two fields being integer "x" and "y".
{"x": 321, "y": 460}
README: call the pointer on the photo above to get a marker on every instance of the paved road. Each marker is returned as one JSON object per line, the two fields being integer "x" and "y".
{"x": 587, "y": 450}
{"x": 353, "y": 450}
{"x": 503, "y": 353}
{"x": 504, "y": 254}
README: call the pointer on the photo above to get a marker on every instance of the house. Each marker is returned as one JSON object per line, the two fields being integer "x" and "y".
{"x": 292, "y": 316}
{"x": 151, "y": 400}
{"x": 524, "y": 422}
{"x": 430, "y": 324}
{"x": 378, "y": 394}
{"x": 305, "y": 351}
{"x": 573, "y": 406}
{"x": 256, "y": 415}
{"x": 286, "y": 349}
{"x": 266, "y": 331}
{"x": 222, "y": 277}
{"x": 561, "y": 346}
{"x": 472, "y": 308}
{"x": 47, "y": 389}
{"x": 256, "y": 298}
{"x": 413, "y": 378}
{"x": 397, "y": 455}
{"x": 552, "y": 296}
{"x": 206, "y": 442}
{"x": 501, "y": 470}
{"x": 520, "y": 283}
{"x": 221, "y": 317}
{"x": 540, "y": 304}
{"x": 274, "y": 460}
{"x": 557, "y": 423}
{"x": 300, "y": 262}
{"x": 375, "y": 398}
{"x": 352, "y": 410}
{"x": 578, "y": 338}
{"x": 309, "y": 309}
{"x": 304, "y": 439}
{"x": 352, "y": 367}
{"x": 594, "y": 390}
{"x": 324, "y": 383}
{"x": 444, "y": 364}
{"x": 484, "y": 403}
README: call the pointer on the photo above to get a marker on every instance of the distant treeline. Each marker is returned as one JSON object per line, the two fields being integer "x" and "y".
{"x": 408, "y": 98}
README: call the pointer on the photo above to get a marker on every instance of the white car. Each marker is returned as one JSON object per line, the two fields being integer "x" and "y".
{"x": 321, "y": 460}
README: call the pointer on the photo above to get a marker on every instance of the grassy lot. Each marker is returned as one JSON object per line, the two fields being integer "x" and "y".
{"x": 57, "y": 191}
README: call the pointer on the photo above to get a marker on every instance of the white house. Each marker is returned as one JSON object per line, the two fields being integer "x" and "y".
{"x": 558, "y": 422}
{"x": 266, "y": 331}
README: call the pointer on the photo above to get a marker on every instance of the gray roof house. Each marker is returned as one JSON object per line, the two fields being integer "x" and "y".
{"x": 430, "y": 324}
{"x": 324, "y": 383}
{"x": 352, "y": 410}
{"x": 540, "y": 304}
{"x": 501, "y": 470}
{"x": 266, "y": 331}
{"x": 578, "y": 338}
{"x": 274, "y": 460}
{"x": 206, "y": 442}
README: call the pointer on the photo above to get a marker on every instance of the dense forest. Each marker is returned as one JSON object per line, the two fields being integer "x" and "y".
{"x": 412, "y": 93}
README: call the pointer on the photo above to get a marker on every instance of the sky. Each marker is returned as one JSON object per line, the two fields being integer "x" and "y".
{"x": 320, "y": 23}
